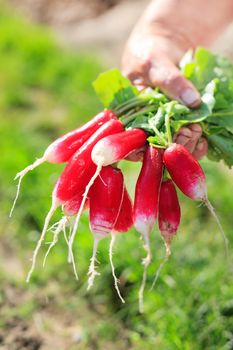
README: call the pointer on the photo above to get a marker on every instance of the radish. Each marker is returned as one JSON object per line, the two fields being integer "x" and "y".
{"x": 80, "y": 167}
{"x": 65, "y": 146}
{"x": 109, "y": 150}
{"x": 186, "y": 172}
{"x": 125, "y": 218}
{"x": 113, "y": 148}
{"x": 169, "y": 218}
{"x": 147, "y": 193}
{"x": 123, "y": 224}
{"x": 71, "y": 207}
{"x": 188, "y": 175}
{"x": 106, "y": 198}
{"x": 169, "y": 212}
{"x": 146, "y": 203}
{"x": 74, "y": 178}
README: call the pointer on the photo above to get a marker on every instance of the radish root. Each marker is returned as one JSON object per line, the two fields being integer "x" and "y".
{"x": 146, "y": 262}
{"x": 46, "y": 224}
{"x": 212, "y": 211}
{"x": 72, "y": 255}
{"x": 56, "y": 229}
{"x": 167, "y": 243}
{"x": 71, "y": 240}
{"x": 92, "y": 270}
{"x": 116, "y": 281}
{"x": 20, "y": 176}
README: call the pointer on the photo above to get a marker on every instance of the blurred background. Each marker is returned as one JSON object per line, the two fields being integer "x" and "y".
{"x": 50, "y": 52}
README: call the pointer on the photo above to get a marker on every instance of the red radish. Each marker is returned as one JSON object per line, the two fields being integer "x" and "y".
{"x": 169, "y": 212}
{"x": 188, "y": 175}
{"x": 125, "y": 218}
{"x": 65, "y": 146}
{"x": 186, "y": 172}
{"x": 123, "y": 224}
{"x": 80, "y": 167}
{"x": 113, "y": 148}
{"x": 169, "y": 219}
{"x": 62, "y": 149}
{"x": 107, "y": 151}
{"x": 147, "y": 192}
{"x": 106, "y": 198}
{"x": 146, "y": 203}
{"x": 74, "y": 178}
{"x": 71, "y": 207}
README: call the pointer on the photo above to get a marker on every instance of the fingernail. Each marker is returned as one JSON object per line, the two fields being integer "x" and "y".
{"x": 138, "y": 81}
{"x": 190, "y": 97}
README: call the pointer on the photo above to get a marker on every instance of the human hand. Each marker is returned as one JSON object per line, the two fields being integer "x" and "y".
{"x": 150, "y": 58}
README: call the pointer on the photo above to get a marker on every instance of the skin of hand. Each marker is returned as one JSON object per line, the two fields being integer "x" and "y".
{"x": 158, "y": 42}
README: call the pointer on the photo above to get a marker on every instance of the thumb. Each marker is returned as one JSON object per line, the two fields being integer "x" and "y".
{"x": 165, "y": 75}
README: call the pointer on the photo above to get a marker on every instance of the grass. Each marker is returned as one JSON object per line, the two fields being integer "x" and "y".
{"x": 46, "y": 91}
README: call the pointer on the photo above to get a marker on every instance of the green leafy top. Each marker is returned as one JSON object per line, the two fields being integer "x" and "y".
{"x": 113, "y": 88}
{"x": 154, "y": 112}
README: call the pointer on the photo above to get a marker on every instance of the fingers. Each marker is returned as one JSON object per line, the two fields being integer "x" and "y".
{"x": 136, "y": 70}
{"x": 183, "y": 136}
{"x": 201, "y": 148}
{"x": 162, "y": 73}
{"x": 190, "y": 137}
{"x": 165, "y": 75}
{"x": 137, "y": 155}
{"x": 196, "y": 131}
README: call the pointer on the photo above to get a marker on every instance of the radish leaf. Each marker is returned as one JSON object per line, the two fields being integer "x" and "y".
{"x": 113, "y": 88}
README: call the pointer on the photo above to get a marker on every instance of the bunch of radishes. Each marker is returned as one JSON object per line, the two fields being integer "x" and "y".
{"x": 136, "y": 121}
{"x": 91, "y": 180}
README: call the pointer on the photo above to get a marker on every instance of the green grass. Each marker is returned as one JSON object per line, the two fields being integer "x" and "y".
{"x": 45, "y": 91}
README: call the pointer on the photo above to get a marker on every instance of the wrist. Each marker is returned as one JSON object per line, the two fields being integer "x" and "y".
{"x": 190, "y": 23}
